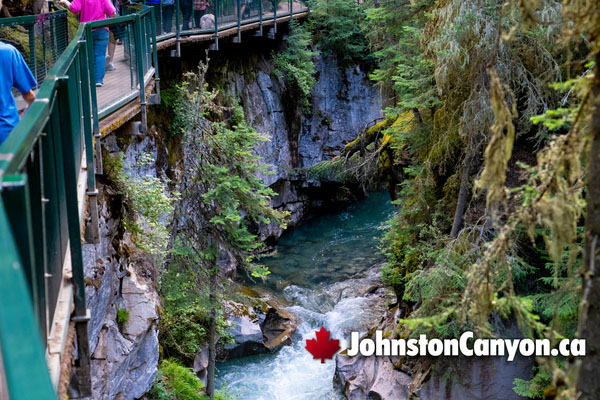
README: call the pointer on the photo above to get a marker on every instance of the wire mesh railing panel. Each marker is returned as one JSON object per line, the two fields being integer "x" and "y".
{"x": 269, "y": 7}
{"x": 249, "y": 10}
{"x": 41, "y": 39}
{"x": 40, "y": 166}
{"x": 283, "y": 8}
{"x": 197, "y": 16}
{"x": 226, "y": 13}
{"x": 299, "y": 6}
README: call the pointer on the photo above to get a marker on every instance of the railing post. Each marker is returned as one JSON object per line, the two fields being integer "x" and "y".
{"x": 158, "y": 16}
{"x": 291, "y": 6}
{"x": 82, "y": 315}
{"x": 155, "y": 61}
{"x": 177, "y": 29}
{"x": 273, "y": 30}
{"x": 44, "y": 49}
{"x": 32, "y": 52}
{"x": 130, "y": 54}
{"x": 238, "y": 38}
{"x": 147, "y": 42}
{"x": 35, "y": 200}
{"x": 215, "y": 45}
{"x": 137, "y": 32}
{"x": 92, "y": 191}
{"x": 260, "y": 18}
{"x": 96, "y": 125}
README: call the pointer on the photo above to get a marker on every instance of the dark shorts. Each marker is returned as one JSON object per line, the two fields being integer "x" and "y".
{"x": 118, "y": 31}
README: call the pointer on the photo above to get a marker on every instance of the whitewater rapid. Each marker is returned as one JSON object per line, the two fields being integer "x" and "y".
{"x": 327, "y": 269}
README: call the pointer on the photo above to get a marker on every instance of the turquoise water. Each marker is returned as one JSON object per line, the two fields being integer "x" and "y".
{"x": 328, "y": 248}
{"x": 320, "y": 267}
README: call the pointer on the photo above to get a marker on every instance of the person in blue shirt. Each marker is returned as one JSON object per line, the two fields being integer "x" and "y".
{"x": 14, "y": 73}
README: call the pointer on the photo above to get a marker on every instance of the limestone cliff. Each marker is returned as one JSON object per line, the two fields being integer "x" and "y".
{"x": 342, "y": 103}
{"x": 121, "y": 277}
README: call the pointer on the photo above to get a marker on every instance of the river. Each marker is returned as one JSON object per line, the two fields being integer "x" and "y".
{"x": 323, "y": 268}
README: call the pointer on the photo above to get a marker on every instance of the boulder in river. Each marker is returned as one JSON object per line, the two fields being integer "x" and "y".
{"x": 256, "y": 329}
{"x": 373, "y": 378}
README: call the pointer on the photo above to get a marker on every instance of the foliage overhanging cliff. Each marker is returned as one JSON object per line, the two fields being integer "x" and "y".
{"x": 486, "y": 147}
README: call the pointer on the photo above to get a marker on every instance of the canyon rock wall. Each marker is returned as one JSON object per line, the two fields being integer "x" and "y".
{"x": 120, "y": 276}
{"x": 341, "y": 104}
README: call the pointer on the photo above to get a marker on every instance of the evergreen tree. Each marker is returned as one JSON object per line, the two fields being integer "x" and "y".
{"x": 222, "y": 194}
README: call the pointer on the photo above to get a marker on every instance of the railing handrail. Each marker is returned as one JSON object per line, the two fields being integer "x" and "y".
{"x": 105, "y": 23}
{"x": 30, "y": 19}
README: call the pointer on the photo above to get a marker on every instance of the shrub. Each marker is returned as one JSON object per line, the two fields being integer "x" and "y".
{"x": 150, "y": 204}
{"x": 122, "y": 315}
{"x": 176, "y": 382}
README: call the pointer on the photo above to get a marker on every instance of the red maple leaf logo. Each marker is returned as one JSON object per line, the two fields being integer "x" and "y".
{"x": 322, "y": 347}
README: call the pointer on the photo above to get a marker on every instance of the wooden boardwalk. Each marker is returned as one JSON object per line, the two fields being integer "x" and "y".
{"x": 117, "y": 83}
{"x": 120, "y": 83}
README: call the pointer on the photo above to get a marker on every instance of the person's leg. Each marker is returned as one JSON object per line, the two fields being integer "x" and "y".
{"x": 168, "y": 17}
{"x": 112, "y": 44}
{"x": 186, "y": 12}
{"x": 100, "y": 37}
{"x": 197, "y": 16}
{"x": 243, "y": 8}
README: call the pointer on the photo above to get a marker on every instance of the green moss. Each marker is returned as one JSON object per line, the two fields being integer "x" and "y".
{"x": 122, "y": 315}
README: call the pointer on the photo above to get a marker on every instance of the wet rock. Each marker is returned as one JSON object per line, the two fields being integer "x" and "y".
{"x": 123, "y": 367}
{"x": 374, "y": 378}
{"x": 390, "y": 383}
{"x": 254, "y": 332}
{"x": 201, "y": 364}
{"x": 141, "y": 304}
{"x": 278, "y": 328}
{"x": 244, "y": 330}
{"x": 247, "y": 337}
{"x": 384, "y": 377}
{"x": 342, "y": 103}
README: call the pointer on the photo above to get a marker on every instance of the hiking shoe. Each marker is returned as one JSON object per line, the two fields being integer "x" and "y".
{"x": 110, "y": 67}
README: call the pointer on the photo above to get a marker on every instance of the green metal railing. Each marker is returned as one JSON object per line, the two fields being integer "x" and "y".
{"x": 226, "y": 14}
{"x": 40, "y": 38}
{"x": 40, "y": 221}
{"x": 40, "y": 162}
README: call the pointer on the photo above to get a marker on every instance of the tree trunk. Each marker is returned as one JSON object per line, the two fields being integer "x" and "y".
{"x": 588, "y": 383}
{"x": 212, "y": 337}
{"x": 417, "y": 115}
{"x": 462, "y": 198}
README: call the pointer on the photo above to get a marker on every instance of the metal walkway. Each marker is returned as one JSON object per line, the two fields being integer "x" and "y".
{"x": 48, "y": 168}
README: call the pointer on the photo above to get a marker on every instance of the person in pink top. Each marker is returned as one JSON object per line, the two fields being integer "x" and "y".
{"x": 95, "y": 10}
